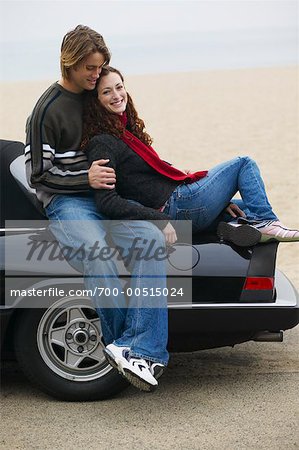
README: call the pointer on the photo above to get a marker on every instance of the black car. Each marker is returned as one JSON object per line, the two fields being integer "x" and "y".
{"x": 237, "y": 296}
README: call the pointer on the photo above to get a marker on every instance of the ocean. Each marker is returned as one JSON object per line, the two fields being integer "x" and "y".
{"x": 160, "y": 53}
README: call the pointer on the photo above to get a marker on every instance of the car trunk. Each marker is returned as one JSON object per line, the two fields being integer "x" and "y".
{"x": 225, "y": 273}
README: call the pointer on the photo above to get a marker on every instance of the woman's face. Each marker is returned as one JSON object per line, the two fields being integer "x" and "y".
{"x": 112, "y": 94}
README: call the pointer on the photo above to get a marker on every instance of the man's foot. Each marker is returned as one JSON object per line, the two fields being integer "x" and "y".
{"x": 240, "y": 235}
{"x": 156, "y": 369}
{"x": 274, "y": 230}
{"x": 135, "y": 370}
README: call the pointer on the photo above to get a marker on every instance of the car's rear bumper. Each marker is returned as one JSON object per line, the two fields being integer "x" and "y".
{"x": 232, "y": 320}
{"x": 282, "y": 314}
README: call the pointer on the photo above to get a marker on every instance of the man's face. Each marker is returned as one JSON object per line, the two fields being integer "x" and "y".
{"x": 84, "y": 75}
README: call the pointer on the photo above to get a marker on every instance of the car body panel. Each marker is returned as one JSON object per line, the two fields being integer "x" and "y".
{"x": 217, "y": 310}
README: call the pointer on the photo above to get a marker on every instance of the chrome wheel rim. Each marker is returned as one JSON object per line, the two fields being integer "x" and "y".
{"x": 69, "y": 340}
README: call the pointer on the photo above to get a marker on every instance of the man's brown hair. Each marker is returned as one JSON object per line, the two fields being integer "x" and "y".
{"x": 79, "y": 43}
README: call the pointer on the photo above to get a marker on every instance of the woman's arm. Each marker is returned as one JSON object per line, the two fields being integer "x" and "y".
{"x": 109, "y": 202}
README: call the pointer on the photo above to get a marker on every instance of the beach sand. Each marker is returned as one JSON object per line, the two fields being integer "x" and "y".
{"x": 199, "y": 119}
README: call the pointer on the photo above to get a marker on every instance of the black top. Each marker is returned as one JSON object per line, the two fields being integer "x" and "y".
{"x": 54, "y": 162}
{"x": 135, "y": 180}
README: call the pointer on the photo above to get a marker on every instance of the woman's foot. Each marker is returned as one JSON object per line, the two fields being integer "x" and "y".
{"x": 135, "y": 370}
{"x": 274, "y": 230}
{"x": 240, "y": 235}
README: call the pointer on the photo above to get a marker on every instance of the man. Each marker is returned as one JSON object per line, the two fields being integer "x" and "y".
{"x": 58, "y": 170}
{"x": 55, "y": 126}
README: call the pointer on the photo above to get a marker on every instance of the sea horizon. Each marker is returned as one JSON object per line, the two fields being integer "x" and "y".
{"x": 162, "y": 53}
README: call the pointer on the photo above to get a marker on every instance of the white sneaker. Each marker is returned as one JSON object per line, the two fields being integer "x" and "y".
{"x": 156, "y": 369}
{"x": 274, "y": 230}
{"x": 135, "y": 370}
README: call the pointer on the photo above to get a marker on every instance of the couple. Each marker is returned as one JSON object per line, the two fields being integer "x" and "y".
{"x": 103, "y": 167}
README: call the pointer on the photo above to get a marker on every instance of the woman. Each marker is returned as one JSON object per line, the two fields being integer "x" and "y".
{"x": 148, "y": 188}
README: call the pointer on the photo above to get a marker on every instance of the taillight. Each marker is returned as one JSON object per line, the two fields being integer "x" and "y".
{"x": 259, "y": 284}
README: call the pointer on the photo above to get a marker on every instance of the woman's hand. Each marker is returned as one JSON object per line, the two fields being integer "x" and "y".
{"x": 170, "y": 234}
{"x": 101, "y": 176}
{"x": 234, "y": 211}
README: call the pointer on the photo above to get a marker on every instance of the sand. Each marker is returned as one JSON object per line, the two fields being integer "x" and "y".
{"x": 202, "y": 118}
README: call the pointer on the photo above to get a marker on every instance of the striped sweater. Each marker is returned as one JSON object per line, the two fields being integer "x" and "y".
{"x": 54, "y": 163}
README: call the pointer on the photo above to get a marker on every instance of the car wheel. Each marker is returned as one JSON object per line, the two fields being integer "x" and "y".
{"x": 61, "y": 350}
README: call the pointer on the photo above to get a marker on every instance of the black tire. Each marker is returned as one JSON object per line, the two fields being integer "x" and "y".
{"x": 43, "y": 362}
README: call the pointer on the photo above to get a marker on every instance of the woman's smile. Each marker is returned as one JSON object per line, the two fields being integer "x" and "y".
{"x": 117, "y": 102}
{"x": 112, "y": 93}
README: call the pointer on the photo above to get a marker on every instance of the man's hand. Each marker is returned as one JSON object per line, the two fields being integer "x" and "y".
{"x": 170, "y": 234}
{"x": 101, "y": 176}
{"x": 235, "y": 211}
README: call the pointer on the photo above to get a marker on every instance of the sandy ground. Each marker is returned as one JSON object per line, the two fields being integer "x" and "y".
{"x": 241, "y": 398}
{"x": 244, "y": 398}
{"x": 200, "y": 119}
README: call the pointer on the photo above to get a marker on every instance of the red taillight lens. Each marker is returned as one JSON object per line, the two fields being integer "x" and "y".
{"x": 259, "y": 284}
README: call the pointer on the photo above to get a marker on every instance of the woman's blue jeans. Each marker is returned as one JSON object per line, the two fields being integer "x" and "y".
{"x": 204, "y": 201}
{"x": 75, "y": 222}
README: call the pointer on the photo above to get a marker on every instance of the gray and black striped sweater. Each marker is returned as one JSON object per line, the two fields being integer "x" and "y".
{"x": 54, "y": 162}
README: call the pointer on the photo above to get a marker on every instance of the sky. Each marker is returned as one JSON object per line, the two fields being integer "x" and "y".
{"x": 33, "y": 30}
{"x": 43, "y": 19}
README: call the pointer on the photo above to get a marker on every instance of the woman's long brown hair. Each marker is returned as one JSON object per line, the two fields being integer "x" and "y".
{"x": 97, "y": 120}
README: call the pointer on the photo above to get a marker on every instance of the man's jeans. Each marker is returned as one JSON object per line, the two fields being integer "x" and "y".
{"x": 144, "y": 326}
{"x": 203, "y": 201}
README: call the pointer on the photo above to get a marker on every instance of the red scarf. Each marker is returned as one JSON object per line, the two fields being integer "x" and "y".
{"x": 152, "y": 158}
